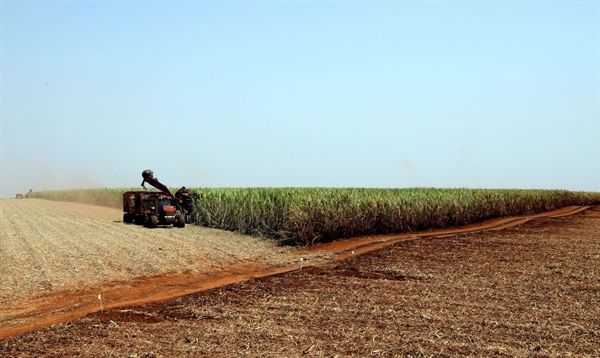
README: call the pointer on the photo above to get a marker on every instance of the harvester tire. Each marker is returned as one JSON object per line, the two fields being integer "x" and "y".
{"x": 151, "y": 221}
{"x": 179, "y": 220}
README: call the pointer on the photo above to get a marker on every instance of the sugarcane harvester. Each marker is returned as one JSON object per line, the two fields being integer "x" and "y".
{"x": 187, "y": 203}
{"x": 151, "y": 208}
{"x": 186, "y": 199}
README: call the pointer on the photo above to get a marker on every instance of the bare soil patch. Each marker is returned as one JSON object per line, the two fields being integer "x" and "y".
{"x": 529, "y": 290}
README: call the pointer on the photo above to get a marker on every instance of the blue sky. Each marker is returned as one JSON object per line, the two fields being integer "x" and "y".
{"x": 470, "y": 94}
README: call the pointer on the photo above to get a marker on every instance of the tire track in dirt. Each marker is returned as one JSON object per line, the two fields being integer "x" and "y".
{"x": 372, "y": 243}
{"x": 60, "y": 307}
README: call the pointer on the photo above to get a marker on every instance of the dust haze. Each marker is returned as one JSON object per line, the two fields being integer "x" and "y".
{"x": 39, "y": 175}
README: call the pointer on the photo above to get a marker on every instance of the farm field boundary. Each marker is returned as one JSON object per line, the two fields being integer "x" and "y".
{"x": 66, "y": 306}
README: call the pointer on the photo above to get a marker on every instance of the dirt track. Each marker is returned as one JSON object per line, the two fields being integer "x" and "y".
{"x": 61, "y": 306}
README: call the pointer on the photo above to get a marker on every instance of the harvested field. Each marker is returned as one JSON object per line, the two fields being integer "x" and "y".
{"x": 53, "y": 247}
{"x": 529, "y": 290}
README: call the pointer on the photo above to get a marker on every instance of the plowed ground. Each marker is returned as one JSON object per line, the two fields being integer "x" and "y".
{"x": 528, "y": 290}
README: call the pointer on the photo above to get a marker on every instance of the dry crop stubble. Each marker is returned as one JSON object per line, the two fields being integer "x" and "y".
{"x": 52, "y": 246}
{"x": 527, "y": 291}
{"x": 524, "y": 291}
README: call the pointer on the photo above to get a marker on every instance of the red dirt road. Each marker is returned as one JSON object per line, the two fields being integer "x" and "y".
{"x": 66, "y": 306}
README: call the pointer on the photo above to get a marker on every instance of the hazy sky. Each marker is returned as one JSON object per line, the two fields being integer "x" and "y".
{"x": 475, "y": 94}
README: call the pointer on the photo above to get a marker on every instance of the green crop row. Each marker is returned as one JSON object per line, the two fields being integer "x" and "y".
{"x": 310, "y": 215}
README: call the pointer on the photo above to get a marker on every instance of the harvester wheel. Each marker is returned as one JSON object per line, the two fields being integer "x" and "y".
{"x": 127, "y": 217}
{"x": 151, "y": 221}
{"x": 179, "y": 220}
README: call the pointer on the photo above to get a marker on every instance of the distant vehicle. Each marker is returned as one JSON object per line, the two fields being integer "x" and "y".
{"x": 21, "y": 196}
{"x": 151, "y": 209}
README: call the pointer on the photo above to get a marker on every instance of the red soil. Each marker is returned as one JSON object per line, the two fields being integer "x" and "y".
{"x": 68, "y": 306}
